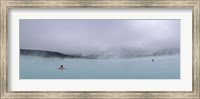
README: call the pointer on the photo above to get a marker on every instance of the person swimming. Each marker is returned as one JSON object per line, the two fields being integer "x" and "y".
{"x": 152, "y": 60}
{"x": 61, "y": 67}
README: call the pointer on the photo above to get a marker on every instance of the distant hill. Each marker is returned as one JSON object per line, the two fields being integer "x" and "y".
{"x": 166, "y": 52}
{"x": 49, "y": 54}
{"x": 108, "y": 54}
{"x": 134, "y": 53}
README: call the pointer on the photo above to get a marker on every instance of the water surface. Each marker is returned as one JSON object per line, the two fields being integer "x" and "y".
{"x": 163, "y": 67}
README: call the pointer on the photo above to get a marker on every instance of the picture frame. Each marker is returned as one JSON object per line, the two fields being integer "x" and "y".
{"x": 5, "y": 5}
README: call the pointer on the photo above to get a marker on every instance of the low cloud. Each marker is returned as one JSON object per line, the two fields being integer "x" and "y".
{"x": 103, "y": 36}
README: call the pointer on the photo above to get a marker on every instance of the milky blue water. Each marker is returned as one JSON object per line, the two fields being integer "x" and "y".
{"x": 164, "y": 67}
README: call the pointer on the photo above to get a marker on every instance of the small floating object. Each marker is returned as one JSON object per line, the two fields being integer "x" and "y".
{"x": 61, "y": 67}
{"x": 152, "y": 60}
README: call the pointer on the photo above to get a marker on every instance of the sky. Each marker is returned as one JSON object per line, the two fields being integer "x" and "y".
{"x": 96, "y": 36}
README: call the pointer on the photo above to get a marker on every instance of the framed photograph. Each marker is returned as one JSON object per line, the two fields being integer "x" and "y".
{"x": 99, "y": 49}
